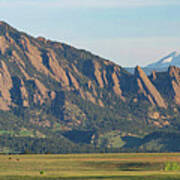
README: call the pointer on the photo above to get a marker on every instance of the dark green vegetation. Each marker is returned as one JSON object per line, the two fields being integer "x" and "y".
{"x": 57, "y": 99}
{"x": 90, "y": 167}
{"x": 57, "y": 143}
{"x": 172, "y": 166}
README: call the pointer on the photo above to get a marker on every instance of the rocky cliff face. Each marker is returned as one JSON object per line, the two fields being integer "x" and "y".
{"x": 54, "y": 85}
{"x": 33, "y": 58}
{"x": 148, "y": 89}
{"x": 174, "y": 76}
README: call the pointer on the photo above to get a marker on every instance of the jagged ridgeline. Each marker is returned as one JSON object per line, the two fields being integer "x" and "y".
{"x": 56, "y": 98}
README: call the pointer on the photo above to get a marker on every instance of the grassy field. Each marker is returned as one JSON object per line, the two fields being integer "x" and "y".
{"x": 90, "y": 167}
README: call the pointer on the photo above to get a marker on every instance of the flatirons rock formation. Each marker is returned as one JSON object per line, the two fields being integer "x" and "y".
{"x": 50, "y": 89}
{"x": 148, "y": 89}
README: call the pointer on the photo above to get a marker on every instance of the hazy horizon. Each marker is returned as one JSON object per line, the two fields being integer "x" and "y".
{"x": 127, "y": 32}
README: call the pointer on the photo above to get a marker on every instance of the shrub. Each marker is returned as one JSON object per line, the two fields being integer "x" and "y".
{"x": 41, "y": 172}
{"x": 172, "y": 166}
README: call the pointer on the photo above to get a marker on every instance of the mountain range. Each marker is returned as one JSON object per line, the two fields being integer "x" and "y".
{"x": 55, "y": 98}
{"x": 172, "y": 59}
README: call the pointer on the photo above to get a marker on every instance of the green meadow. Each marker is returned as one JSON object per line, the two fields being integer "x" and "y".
{"x": 163, "y": 166}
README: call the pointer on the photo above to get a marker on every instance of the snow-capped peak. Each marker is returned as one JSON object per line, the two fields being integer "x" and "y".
{"x": 171, "y": 59}
{"x": 168, "y": 60}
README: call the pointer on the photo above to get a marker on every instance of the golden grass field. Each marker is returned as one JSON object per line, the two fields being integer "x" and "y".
{"x": 88, "y": 166}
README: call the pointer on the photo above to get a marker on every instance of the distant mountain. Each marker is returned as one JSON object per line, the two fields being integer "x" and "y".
{"x": 55, "y": 98}
{"x": 172, "y": 59}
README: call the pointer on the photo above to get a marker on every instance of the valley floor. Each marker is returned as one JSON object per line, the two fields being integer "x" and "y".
{"x": 162, "y": 166}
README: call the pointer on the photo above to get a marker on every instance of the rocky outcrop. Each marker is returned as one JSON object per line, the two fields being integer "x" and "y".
{"x": 57, "y": 70}
{"x": 73, "y": 81}
{"x": 153, "y": 75}
{"x": 116, "y": 87}
{"x": 98, "y": 74}
{"x": 5, "y": 86}
{"x": 41, "y": 92}
{"x": 34, "y": 56}
{"x": 42, "y": 89}
{"x": 174, "y": 74}
{"x": 3, "y": 45}
{"x": 148, "y": 89}
{"x": 24, "y": 95}
{"x": 104, "y": 77}
{"x": 86, "y": 95}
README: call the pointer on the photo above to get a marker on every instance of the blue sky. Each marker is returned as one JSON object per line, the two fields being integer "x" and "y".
{"x": 128, "y": 32}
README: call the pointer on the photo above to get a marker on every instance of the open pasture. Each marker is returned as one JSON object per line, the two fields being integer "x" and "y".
{"x": 90, "y": 167}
